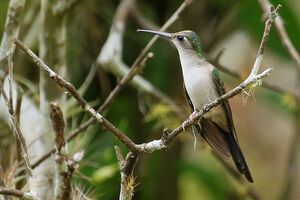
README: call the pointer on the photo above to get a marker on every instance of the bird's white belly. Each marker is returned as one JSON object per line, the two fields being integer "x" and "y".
{"x": 200, "y": 86}
{"x": 202, "y": 90}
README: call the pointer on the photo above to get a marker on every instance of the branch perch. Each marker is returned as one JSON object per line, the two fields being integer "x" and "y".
{"x": 252, "y": 78}
{"x": 146, "y": 147}
{"x": 265, "y": 84}
{"x": 69, "y": 87}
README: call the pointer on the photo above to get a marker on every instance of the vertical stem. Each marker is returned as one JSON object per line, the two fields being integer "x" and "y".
{"x": 11, "y": 31}
{"x": 126, "y": 169}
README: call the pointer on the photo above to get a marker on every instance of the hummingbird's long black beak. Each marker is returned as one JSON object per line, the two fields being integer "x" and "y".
{"x": 163, "y": 34}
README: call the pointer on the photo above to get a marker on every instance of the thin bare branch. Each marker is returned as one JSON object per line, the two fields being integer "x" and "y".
{"x": 68, "y": 86}
{"x": 17, "y": 130}
{"x": 265, "y": 84}
{"x": 17, "y": 193}
{"x": 286, "y": 41}
{"x": 272, "y": 15}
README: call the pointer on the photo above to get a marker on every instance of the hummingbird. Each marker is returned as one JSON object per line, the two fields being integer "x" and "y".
{"x": 202, "y": 85}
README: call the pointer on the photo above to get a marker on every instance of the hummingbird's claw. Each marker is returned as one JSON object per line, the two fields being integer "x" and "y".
{"x": 191, "y": 117}
{"x": 190, "y": 120}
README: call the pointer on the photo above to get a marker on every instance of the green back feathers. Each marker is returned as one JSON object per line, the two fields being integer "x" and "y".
{"x": 194, "y": 38}
{"x": 218, "y": 75}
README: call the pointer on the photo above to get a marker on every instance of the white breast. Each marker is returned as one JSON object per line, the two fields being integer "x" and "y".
{"x": 198, "y": 81}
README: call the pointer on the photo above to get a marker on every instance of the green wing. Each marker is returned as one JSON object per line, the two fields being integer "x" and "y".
{"x": 231, "y": 137}
{"x": 221, "y": 90}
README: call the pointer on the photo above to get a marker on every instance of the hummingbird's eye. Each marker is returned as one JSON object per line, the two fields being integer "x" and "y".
{"x": 180, "y": 38}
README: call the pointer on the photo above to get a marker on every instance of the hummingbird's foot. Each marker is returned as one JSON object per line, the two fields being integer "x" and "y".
{"x": 190, "y": 120}
{"x": 191, "y": 117}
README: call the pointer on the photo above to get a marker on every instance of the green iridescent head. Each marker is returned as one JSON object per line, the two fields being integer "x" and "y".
{"x": 186, "y": 40}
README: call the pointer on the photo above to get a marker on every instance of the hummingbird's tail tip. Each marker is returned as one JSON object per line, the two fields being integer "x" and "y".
{"x": 249, "y": 177}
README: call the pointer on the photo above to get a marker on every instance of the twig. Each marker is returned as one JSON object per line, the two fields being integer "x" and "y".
{"x": 126, "y": 168}
{"x": 17, "y": 112}
{"x": 17, "y": 130}
{"x": 272, "y": 15}
{"x": 267, "y": 85}
{"x": 143, "y": 63}
{"x": 17, "y": 193}
{"x": 68, "y": 86}
{"x": 265, "y": 4}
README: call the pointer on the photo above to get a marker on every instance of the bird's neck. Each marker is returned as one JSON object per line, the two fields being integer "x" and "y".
{"x": 190, "y": 59}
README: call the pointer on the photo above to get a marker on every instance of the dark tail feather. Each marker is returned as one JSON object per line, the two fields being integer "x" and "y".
{"x": 238, "y": 157}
